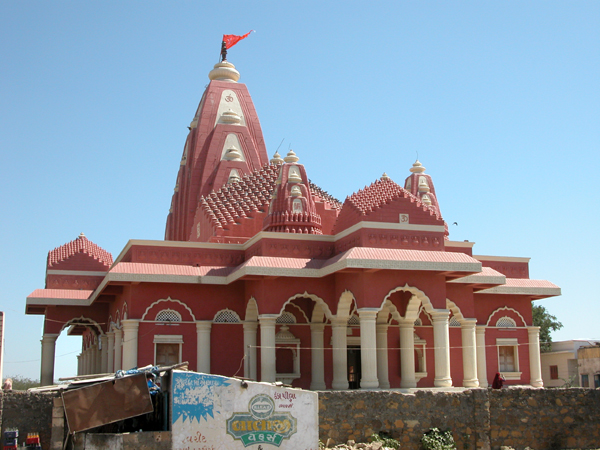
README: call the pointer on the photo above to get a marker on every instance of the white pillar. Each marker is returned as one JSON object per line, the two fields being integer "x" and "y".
{"x": 79, "y": 363}
{"x": 339, "y": 353}
{"x": 47, "y": 368}
{"x": 535, "y": 365}
{"x": 481, "y": 359}
{"x": 93, "y": 358}
{"x": 104, "y": 354}
{"x": 267, "y": 347}
{"x": 98, "y": 358}
{"x": 469, "y": 353}
{"x": 130, "y": 343}
{"x": 441, "y": 344}
{"x": 407, "y": 354}
{"x": 382, "y": 356}
{"x": 86, "y": 360}
{"x": 118, "y": 349}
{"x": 368, "y": 348}
{"x": 110, "y": 350}
{"x": 250, "y": 361}
{"x": 317, "y": 357}
{"x": 203, "y": 346}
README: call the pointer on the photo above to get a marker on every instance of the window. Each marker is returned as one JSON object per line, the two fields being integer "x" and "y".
{"x": 554, "y": 372}
{"x": 508, "y": 358}
{"x": 168, "y": 315}
{"x": 585, "y": 380}
{"x": 167, "y": 349}
{"x": 454, "y": 322}
{"x": 506, "y": 322}
{"x": 286, "y": 317}
{"x": 597, "y": 381}
{"x": 226, "y": 316}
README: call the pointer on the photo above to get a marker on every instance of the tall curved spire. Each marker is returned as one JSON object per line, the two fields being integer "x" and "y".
{"x": 225, "y": 142}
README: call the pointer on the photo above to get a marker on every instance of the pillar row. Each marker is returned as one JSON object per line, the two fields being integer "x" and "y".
{"x": 48, "y": 351}
{"x": 267, "y": 347}
{"x": 382, "y": 356}
{"x": 339, "y": 353}
{"x": 317, "y": 354}
{"x": 110, "y": 365}
{"x": 408, "y": 378}
{"x": 535, "y": 364}
{"x": 203, "y": 345}
{"x": 368, "y": 348}
{"x": 441, "y": 343}
{"x": 250, "y": 361}
{"x": 118, "y": 349}
{"x": 469, "y": 352}
{"x": 481, "y": 358}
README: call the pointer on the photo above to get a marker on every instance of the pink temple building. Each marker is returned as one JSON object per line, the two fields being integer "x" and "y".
{"x": 264, "y": 275}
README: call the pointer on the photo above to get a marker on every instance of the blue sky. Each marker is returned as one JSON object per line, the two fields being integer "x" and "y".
{"x": 500, "y": 100}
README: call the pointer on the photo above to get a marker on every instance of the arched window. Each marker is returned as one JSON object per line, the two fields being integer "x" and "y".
{"x": 168, "y": 315}
{"x": 353, "y": 320}
{"x": 454, "y": 322}
{"x": 226, "y": 316}
{"x": 506, "y": 322}
{"x": 286, "y": 317}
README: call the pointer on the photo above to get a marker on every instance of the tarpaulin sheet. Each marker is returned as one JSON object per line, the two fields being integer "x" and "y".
{"x": 107, "y": 402}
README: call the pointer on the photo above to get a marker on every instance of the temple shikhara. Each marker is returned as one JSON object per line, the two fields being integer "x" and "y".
{"x": 262, "y": 274}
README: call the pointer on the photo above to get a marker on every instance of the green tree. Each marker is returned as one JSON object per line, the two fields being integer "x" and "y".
{"x": 547, "y": 323}
{"x": 21, "y": 383}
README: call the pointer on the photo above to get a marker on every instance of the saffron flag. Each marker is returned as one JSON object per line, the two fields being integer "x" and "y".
{"x": 231, "y": 39}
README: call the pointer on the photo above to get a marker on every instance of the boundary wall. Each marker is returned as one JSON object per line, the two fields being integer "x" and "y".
{"x": 479, "y": 418}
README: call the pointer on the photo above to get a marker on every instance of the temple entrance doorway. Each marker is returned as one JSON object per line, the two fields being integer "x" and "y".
{"x": 354, "y": 373}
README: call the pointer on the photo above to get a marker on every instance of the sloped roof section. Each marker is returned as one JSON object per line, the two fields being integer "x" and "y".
{"x": 241, "y": 199}
{"x": 380, "y": 193}
{"x": 80, "y": 245}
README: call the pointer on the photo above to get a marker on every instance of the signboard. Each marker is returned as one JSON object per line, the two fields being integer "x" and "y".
{"x": 211, "y": 412}
{"x": 107, "y": 402}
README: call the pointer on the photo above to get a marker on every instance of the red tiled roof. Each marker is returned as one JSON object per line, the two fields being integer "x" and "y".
{"x": 79, "y": 245}
{"x": 380, "y": 193}
{"x": 170, "y": 269}
{"x": 390, "y": 254}
{"x": 61, "y": 293}
{"x": 526, "y": 283}
{"x": 253, "y": 193}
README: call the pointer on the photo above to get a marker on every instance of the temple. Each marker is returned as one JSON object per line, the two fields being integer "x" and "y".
{"x": 264, "y": 275}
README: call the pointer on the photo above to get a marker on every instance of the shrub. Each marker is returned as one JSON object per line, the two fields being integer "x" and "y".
{"x": 385, "y": 439}
{"x": 435, "y": 439}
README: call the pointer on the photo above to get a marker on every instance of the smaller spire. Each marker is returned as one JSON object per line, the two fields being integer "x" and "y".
{"x": 417, "y": 167}
{"x": 224, "y": 71}
{"x": 385, "y": 177}
{"x": 81, "y": 235}
{"x": 277, "y": 159}
{"x": 291, "y": 157}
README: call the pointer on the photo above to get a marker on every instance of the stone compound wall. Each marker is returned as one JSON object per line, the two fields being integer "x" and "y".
{"x": 479, "y": 418}
{"x": 29, "y": 413}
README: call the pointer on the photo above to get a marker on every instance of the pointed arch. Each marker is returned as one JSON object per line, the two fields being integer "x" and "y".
{"x": 344, "y": 308}
{"x": 505, "y": 308}
{"x": 318, "y": 300}
{"x": 92, "y": 324}
{"x": 251, "y": 311}
{"x": 125, "y": 311}
{"x": 168, "y": 299}
{"x": 418, "y": 298}
{"x": 456, "y": 312}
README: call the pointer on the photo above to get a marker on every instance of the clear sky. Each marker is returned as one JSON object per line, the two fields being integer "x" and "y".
{"x": 500, "y": 100}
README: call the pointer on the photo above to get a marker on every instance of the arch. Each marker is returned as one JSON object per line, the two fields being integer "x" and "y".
{"x": 302, "y": 313}
{"x": 226, "y": 316}
{"x": 92, "y": 324}
{"x": 251, "y": 311}
{"x": 124, "y": 310}
{"x": 456, "y": 312}
{"x": 345, "y": 304}
{"x": 505, "y": 308}
{"x": 318, "y": 300}
{"x": 318, "y": 314}
{"x": 168, "y": 299}
{"x": 118, "y": 319}
{"x": 418, "y": 298}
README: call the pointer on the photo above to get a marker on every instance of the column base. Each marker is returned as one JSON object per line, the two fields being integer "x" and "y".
{"x": 471, "y": 383}
{"x": 442, "y": 382}
{"x": 369, "y": 384}
{"x": 537, "y": 383}
{"x": 339, "y": 385}
{"x": 318, "y": 387}
{"x": 408, "y": 384}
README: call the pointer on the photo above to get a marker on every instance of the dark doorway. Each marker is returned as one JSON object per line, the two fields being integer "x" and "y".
{"x": 354, "y": 367}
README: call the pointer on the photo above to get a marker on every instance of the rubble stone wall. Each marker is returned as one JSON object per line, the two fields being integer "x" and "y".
{"x": 29, "y": 413}
{"x": 479, "y": 418}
